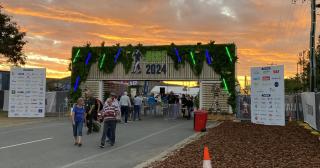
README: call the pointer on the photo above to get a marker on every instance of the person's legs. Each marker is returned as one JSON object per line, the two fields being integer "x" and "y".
{"x": 74, "y": 127}
{"x": 122, "y": 111}
{"x": 135, "y": 109}
{"x": 90, "y": 124}
{"x": 79, "y": 132}
{"x": 104, "y": 133}
{"x": 154, "y": 108}
{"x": 189, "y": 113}
{"x": 126, "y": 110}
{"x": 138, "y": 110}
{"x": 112, "y": 125}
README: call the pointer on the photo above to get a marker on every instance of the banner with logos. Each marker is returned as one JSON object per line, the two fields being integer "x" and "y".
{"x": 309, "y": 108}
{"x": 267, "y": 95}
{"x": 318, "y": 110}
{"x": 27, "y": 92}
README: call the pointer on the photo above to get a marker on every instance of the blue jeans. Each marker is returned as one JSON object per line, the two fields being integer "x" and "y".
{"x": 77, "y": 128}
{"x": 125, "y": 110}
{"x": 153, "y": 108}
{"x": 109, "y": 130}
{"x": 136, "y": 112}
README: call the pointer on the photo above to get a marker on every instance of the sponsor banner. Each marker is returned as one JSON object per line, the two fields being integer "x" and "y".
{"x": 27, "y": 92}
{"x": 318, "y": 110}
{"x": 309, "y": 108}
{"x": 267, "y": 95}
{"x": 245, "y": 107}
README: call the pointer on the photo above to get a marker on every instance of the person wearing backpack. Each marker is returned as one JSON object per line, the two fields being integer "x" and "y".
{"x": 78, "y": 116}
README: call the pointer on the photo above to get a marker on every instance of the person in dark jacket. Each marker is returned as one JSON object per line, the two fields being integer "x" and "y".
{"x": 89, "y": 105}
{"x": 189, "y": 106}
{"x": 184, "y": 105}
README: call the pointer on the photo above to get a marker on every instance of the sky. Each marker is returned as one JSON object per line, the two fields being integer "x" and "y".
{"x": 265, "y": 32}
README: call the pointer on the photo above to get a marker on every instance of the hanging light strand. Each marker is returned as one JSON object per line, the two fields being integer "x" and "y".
{"x": 76, "y": 57}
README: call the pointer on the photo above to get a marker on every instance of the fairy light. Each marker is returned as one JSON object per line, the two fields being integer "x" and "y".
{"x": 177, "y": 54}
{"x": 102, "y": 61}
{"x": 228, "y": 53}
{"x": 76, "y": 57}
{"x": 192, "y": 57}
{"x": 88, "y": 58}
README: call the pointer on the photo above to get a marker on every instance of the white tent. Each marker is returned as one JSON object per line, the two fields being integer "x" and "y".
{"x": 178, "y": 90}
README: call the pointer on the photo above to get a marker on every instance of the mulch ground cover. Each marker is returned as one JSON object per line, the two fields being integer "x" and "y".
{"x": 248, "y": 145}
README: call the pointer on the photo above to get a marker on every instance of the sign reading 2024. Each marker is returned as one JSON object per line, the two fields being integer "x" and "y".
{"x": 156, "y": 68}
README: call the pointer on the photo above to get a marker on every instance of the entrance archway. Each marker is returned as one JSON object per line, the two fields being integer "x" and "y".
{"x": 211, "y": 65}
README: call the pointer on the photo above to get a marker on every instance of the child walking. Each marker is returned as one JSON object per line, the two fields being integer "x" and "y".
{"x": 109, "y": 114}
{"x": 78, "y": 118}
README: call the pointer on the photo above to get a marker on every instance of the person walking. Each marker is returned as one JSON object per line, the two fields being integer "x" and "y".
{"x": 89, "y": 105}
{"x": 115, "y": 102}
{"x": 125, "y": 104}
{"x": 171, "y": 101}
{"x": 189, "y": 106}
{"x": 152, "y": 102}
{"x": 109, "y": 114}
{"x": 137, "y": 101}
{"x": 78, "y": 118}
{"x": 184, "y": 105}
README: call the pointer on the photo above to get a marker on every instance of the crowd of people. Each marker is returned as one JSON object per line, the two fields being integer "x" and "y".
{"x": 92, "y": 111}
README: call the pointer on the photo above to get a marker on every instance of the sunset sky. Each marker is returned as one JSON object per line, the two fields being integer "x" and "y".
{"x": 265, "y": 32}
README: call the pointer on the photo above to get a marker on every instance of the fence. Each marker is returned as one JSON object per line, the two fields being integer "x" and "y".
{"x": 294, "y": 108}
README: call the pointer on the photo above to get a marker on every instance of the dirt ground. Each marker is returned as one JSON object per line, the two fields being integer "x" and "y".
{"x": 248, "y": 145}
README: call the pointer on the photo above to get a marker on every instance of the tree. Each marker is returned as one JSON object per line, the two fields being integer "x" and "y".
{"x": 301, "y": 82}
{"x": 11, "y": 40}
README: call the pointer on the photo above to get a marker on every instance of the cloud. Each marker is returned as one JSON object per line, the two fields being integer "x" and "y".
{"x": 66, "y": 15}
{"x": 228, "y": 12}
{"x": 264, "y": 33}
{"x": 43, "y": 58}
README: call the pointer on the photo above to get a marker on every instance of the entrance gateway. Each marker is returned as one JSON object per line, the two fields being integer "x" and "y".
{"x": 213, "y": 66}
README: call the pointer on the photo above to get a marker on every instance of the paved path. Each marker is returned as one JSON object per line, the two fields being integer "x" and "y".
{"x": 51, "y": 144}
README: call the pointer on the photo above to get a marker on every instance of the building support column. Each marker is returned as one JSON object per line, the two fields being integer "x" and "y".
{"x": 100, "y": 91}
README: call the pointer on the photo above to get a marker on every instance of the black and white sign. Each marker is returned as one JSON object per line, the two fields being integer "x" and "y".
{"x": 309, "y": 108}
{"x": 267, "y": 95}
{"x": 27, "y": 92}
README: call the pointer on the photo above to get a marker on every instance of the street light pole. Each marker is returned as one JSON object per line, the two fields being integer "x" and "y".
{"x": 313, "y": 84}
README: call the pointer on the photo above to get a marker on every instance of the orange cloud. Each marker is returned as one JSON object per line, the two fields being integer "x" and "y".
{"x": 65, "y": 15}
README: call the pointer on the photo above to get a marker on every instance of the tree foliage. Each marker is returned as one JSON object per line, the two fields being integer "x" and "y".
{"x": 301, "y": 82}
{"x": 11, "y": 40}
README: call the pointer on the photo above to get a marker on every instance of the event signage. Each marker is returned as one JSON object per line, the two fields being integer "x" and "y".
{"x": 309, "y": 108}
{"x": 267, "y": 95}
{"x": 27, "y": 92}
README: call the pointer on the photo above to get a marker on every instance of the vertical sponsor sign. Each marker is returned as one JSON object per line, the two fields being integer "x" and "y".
{"x": 318, "y": 111}
{"x": 267, "y": 95}
{"x": 309, "y": 108}
{"x": 27, "y": 92}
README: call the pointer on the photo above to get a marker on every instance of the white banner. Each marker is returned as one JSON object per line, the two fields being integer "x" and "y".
{"x": 309, "y": 108}
{"x": 267, "y": 95}
{"x": 27, "y": 92}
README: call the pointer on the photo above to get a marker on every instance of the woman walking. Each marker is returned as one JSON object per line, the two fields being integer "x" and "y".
{"x": 78, "y": 118}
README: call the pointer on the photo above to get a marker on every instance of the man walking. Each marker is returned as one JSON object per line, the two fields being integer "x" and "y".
{"x": 89, "y": 105}
{"x": 137, "y": 101}
{"x": 110, "y": 121}
{"x": 125, "y": 104}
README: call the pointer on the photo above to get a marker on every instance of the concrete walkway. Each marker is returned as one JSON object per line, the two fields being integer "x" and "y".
{"x": 50, "y": 144}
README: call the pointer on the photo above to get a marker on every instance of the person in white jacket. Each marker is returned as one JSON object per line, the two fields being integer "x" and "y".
{"x": 125, "y": 104}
